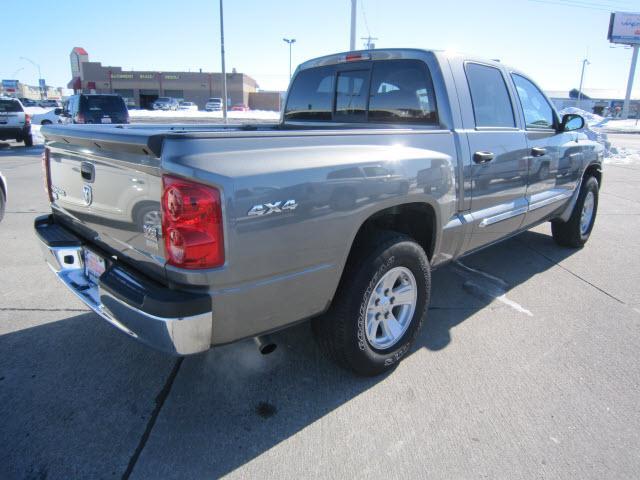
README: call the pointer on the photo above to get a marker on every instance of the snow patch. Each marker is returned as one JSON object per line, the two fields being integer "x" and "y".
{"x": 38, "y": 139}
{"x": 622, "y": 156}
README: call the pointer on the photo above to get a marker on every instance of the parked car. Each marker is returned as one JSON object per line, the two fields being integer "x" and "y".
{"x": 15, "y": 124}
{"x": 189, "y": 106}
{"x": 49, "y": 103}
{"x": 239, "y": 107}
{"x": 213, "y": 104}
{"x": 47, "y": 118}
{"x": 3, "y": 195}
{"x": 339, "y": 213}
{"x": 94, "y": 108}
{"x": 27, "y": 102}
{"x": 165, "y": 103}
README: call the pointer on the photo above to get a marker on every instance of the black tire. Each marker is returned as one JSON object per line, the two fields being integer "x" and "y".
{"x": 3, "y": 202}
{"x": 28, "y": 141}
{"x": 569, "y": 233}
{"x": 341, "y": 331}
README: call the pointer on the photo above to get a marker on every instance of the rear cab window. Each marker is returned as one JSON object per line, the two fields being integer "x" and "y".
{"x": 107, "y": 104}
{"x": 382, "y": 91}
{"x": 10, "y": 106}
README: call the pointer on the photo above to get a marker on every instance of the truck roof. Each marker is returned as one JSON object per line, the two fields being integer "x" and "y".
{"x": 388, "y": 54}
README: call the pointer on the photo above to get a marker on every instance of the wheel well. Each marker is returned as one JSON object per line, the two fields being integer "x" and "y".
{"x": 416, "y": 220}
{"x": 594, "y": 170}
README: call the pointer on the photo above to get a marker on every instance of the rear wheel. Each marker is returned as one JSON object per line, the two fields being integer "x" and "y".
{"x": 28, "y": 141}
{"x": 3, "y": 201}
{"x": 379, "y": 307}
{"x": 576, "y": 231}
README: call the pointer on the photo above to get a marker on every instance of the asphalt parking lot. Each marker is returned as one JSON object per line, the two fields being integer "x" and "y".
{"x": 534, "y": 376}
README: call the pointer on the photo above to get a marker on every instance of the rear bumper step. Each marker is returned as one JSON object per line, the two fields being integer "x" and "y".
{"x": 176, "y": 322}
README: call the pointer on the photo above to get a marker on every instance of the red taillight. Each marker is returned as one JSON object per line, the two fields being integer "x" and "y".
{"x": 191, "y": 224}
{"x": 27, "y": 119}
{"x": 79, "y": 118}
{"x": 46, "y": 174}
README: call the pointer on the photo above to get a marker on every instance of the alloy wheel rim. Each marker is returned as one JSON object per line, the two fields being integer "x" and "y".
{"x": 587, "y": 212}
{"x": 390, "y": 308}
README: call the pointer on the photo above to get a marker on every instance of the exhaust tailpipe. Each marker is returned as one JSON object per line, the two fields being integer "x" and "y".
{"x": 265, "y": 344}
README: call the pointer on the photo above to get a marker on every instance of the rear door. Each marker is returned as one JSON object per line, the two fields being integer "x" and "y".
{"x": 498, "y": 167}
{"x": 555, "y": 159}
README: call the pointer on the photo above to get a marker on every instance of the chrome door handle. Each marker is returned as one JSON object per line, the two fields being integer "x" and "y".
{"x": 483, "y": 157}
{"x": 538, "y": 152}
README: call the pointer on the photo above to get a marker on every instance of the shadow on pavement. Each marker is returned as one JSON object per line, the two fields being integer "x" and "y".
{"x": 76, "y": 396}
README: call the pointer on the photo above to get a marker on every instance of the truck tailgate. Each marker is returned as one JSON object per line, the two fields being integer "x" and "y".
{"x": 106, "y": 187}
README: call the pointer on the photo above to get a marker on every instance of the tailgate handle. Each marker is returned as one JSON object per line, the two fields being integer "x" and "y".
{"x": 88, "y": 171}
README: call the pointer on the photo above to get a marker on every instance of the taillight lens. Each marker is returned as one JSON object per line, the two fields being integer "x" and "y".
{"x": 79, "y": 118}
{"x": 46, "y": 174}
{"x": 191, "y": 224}
{"x": 27, "y": 119}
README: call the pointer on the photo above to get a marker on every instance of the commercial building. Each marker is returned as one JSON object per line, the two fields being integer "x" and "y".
{"x": 22, "y": 90}
{"x": 141, "y": 88}
{"x": 595, "y": 100}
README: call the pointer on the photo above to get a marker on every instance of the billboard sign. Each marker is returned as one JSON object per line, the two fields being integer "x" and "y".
{"x": 624, "y": 27}
{"x": 10, "y": 85}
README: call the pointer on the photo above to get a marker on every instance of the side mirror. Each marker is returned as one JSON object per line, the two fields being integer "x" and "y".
{"x": 58, "y": 111}
{"x": 571, "y": 122}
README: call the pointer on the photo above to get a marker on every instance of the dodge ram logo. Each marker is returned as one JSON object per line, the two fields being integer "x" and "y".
{"x": 87, "y": 194}
{"x": 270, "y": 208}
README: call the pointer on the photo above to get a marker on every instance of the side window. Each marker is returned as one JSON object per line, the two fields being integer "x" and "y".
{"x": 489, "y": 96}
{"x": 401, "y": 91}
{"x": 351, "y": 95}
{"x": 311, "y": 95}
{"x": 537, "y": 111}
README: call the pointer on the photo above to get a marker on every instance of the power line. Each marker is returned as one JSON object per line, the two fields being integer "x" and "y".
{"x": 364, "y": 17}
{"x": 571, "y": 4}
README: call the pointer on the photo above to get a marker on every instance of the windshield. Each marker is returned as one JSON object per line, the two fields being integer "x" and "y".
{"x": 10, "y": 106}
{"x": 215, "y": 100}
{"x": 107, "y": 104}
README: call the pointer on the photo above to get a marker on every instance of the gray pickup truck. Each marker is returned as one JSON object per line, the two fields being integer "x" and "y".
{"x": 386, "y": 164}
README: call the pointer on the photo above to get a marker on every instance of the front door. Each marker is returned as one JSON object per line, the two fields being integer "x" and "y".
{"x": 555, "y": 158}
{"x": 499, "y": 158}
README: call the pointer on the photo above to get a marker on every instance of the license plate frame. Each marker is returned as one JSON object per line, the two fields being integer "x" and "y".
{"x": 94, "y": 265}
{"x": 105, "y": 120}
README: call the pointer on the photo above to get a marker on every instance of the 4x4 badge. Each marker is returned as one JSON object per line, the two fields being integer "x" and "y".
{"x": 269, "y": 208}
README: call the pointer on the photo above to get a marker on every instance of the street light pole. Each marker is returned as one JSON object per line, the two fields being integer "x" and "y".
{"x": 39, "y": 74}
{"x": 632, "y": 73}
{"x": 224, "y": 72}
{"x": 352, "y": 42}
{"x": 290, "y": 42}
{"x": 585, "y": 62}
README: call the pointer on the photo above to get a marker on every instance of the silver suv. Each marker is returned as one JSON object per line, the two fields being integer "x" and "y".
{"x": 166, "y": 103}
{"x": 15, "y": 124}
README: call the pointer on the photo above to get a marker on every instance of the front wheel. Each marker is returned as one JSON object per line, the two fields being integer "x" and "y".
{"x": 576, "y": 231}
{"x": 379, "y": 307}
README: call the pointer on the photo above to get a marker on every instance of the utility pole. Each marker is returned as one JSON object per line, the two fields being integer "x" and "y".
{"x": 632, "y": 73}
{"x": 290, "y": 41}
{"x": 224, "y": 72}
{"x": 352, "y": 42}
{"x": 585, "y": 62}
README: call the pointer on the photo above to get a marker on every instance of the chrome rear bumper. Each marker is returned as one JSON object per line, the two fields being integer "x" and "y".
{"x": 179, "y": 335}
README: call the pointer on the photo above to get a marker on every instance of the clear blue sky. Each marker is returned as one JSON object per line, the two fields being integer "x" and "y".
{"x": 547, "y": 38}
